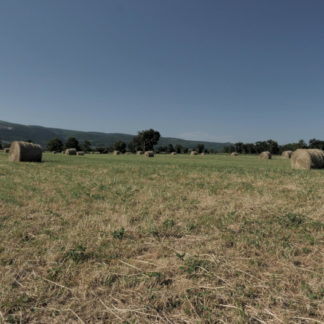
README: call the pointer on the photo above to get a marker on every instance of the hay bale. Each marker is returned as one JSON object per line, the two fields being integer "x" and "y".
{"x": 173, "y": 153}
{"x": 265, "y": 155}
{"x": 149, "y": 153}
{"x": 116, "y": 152}
{"x": 286, "y": 154}
{"x": 6, "y": 150}
{"x": 71, "y": 151}
{"x": 25, "y": 152}
{"x": 139, "y": 152}
{"x": 194, "y": 153}
{"x": 234, "y": 154}
{"x": 306, "y": 159}
{"x": 203, "y": 153}
{"x": 81, "y": 153}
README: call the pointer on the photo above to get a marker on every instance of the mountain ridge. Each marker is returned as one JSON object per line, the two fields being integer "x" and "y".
{"x": 40, "y": 134}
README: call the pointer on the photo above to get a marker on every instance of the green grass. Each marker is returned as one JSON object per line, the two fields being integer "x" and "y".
{"x": 169, "y": 239}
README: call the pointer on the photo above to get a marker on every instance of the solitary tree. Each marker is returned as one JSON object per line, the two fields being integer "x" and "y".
{"x": 120, "y": 146}
{"x": 55, "y": 144}
{"x": 86, "y": 146}
{"x": 200, "y": 148}
{"x": 146, "y": 139}
{"x": 72, "y": 142}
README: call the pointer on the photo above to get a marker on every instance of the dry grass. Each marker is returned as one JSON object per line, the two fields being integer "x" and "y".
{"x": 164, "y": 240}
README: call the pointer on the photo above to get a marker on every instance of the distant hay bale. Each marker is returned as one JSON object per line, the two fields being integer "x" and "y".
{"x": 96, "y": 152}
{"x": 139, "y": 152}
{"x": 265, "y": 155}
{"x": 306, "y": 159}
{"x": 25, "y": 152}
{"x": 203, "y": 153}
{"x": 149, "y": 153}
{"x": 71, "y": 151}
{"x": 116, "y": 152}
{"x": 81, "y": 153}
{"x": 286, "y": 154}
{"x": 173, "y": 153}
{"x": 6, "y": 150}
{"x": 194, "y": 153}
{"x": 234, "y": 154}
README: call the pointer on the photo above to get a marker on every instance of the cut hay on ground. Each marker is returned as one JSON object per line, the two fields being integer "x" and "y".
{"x": 25, "y": 152}
{"x": 194, "y": 153}
{"x": 306, "y": 159}
{"x": 116, "y": 152}
{"x": 265, "y": 155}
{"x": 286, "y": 154}
{"x": 71, "y": 151}
{"x": 149, "y": 153}
{"x": 81, "y": 153}
{"x": 234, "y": 154}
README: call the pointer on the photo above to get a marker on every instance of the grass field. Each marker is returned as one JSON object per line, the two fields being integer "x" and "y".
{"x": 171, "y": 239}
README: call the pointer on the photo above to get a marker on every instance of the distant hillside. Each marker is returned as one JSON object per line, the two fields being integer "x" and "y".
{"x": 10, "y": 132}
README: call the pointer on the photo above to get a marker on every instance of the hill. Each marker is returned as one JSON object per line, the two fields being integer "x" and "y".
{"x": 10, "y": 132}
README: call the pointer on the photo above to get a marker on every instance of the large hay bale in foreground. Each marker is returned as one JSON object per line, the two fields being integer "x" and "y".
{"x": 71, "y": 151}
{"x": 194, "y": 153}
{"x": 149, "y": 153}
{"x": 25, "y": 152}
{"x": 234, "y": 154}
{"x": 306, "y": 159}
{"x": 6, "y": 150}
{"x": 139, "y": 152}
{"x": 116, "y": 152}
{"x": 286, "y": 154}
{"x": 265, "y": 155}
{"x": 81, "y": 153}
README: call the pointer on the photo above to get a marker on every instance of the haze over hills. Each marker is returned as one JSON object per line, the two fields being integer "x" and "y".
{"x": 38, "y": 134}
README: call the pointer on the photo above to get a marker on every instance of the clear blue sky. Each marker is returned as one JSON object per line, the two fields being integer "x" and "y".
{"x": 219, "y": 70}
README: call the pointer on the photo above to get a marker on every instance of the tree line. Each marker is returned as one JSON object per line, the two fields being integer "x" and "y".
{"x": 147, "y": 140}
{"x": 272, "y": 146}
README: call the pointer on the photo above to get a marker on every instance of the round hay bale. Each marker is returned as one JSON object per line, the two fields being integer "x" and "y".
{"x": 6, "y": 150}
{"x": 234, "y": 154}
{"x": 194, "y": 153}
{"x": 306, "y": 159}
{"x": 149, "y": 153}
{"x": 139, "y": 152}
{"x": 71, "y": 151}
{"x": 203, "y": 153}
{"x": 286, "y": 154}
{"x": 265, "y": 155}
{"x": 116, "y": 152}
{"x": 25, "y": 152}
{"x": 173, "y": 153}
{"x": 81, "y": 153}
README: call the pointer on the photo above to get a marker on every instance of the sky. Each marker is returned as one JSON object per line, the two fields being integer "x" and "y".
{"x": 215, "y": 70}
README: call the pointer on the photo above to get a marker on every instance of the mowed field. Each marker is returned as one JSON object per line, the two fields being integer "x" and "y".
{"x": 169, "y": 239}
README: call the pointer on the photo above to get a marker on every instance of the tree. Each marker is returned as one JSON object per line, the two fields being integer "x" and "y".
{"x": 72, "y": 142}
{"x": 86, "y": 146}
{"x": 120, "y": 146}
{"x": 1, "y": 145}
{"x": 200, "y": 148}
{"x": 170, "y": 148}
{"x": 55, "y": 144}
{"x": 178, "y": 148}
{"x": 146, "y": 139}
